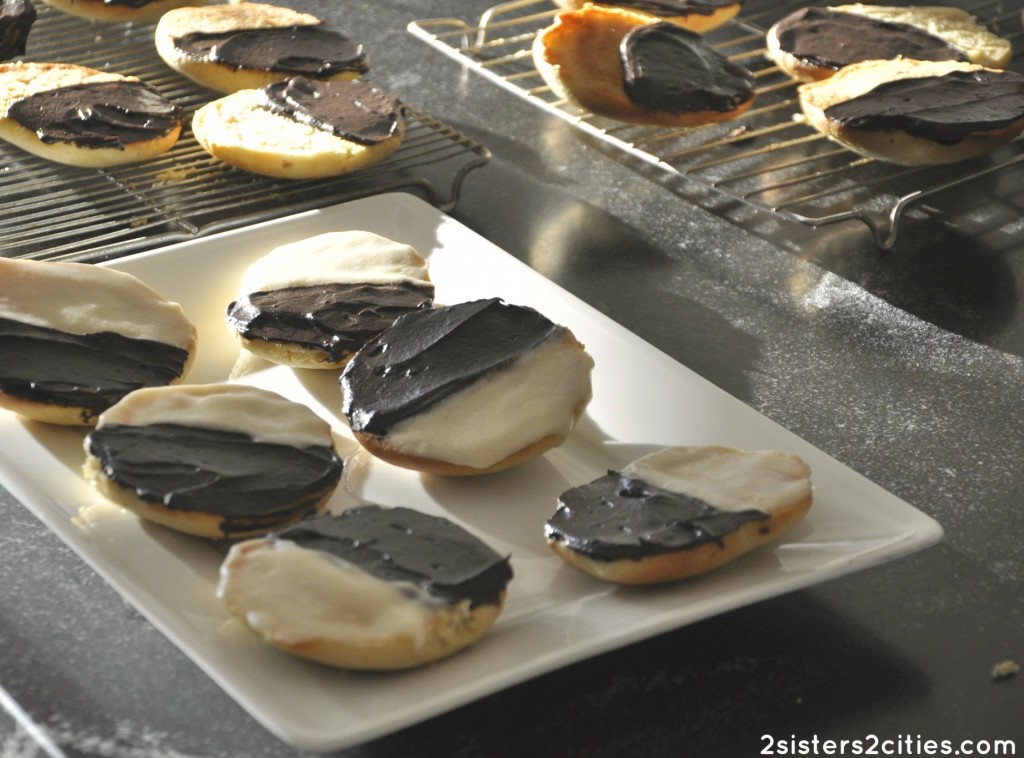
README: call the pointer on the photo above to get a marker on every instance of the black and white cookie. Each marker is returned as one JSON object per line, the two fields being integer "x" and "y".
{"x": 76, "y": 338}
{"x": 315, "y": 302}
{"x": 250, "y": 45}
{"x": 83, "y": 117}
{"x": 679, "y": 512}
{"x": 371, "y": 588}
{"x": 302, "y": 128}
{"x": 467, "y": 389}
{"x": 214, "y": 460}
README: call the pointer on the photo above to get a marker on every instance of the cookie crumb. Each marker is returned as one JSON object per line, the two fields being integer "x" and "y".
{"x": 1005, "y": 669}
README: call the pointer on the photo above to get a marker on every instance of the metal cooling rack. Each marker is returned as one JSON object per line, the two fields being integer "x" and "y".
{"x": 51, "y": 211}
{"x": 768, "y": 158}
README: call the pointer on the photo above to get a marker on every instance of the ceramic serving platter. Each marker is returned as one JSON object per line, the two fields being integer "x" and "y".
{"x": 555, "y": 615}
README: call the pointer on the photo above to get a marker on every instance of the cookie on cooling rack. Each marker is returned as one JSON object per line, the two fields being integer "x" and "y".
{"x": 16, "y": 19}
{"x": 250, "y": 45}
{"x": 137, "y": 11}
{"x": 813, "y": 43}
{"x": 696, "y": 15}
{"x": 617, "y": 63}
{"x": 917, "y": 113}
{"x": 301, "y": 128}
{"x": 83, "y": 117}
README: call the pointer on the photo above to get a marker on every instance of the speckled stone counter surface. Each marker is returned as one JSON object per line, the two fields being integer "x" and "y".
{"x": 907, "y": 366}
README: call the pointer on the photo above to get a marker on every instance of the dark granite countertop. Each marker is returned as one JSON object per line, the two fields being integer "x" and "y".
{"x": 907, "y": 366}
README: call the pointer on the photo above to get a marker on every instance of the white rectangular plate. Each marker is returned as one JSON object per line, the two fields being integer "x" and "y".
{"x": 555, "y": 615}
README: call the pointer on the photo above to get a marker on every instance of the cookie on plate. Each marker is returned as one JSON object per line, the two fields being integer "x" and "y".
{"x": 679, "y": 512}
{"x": 302, "y": 129}
{"x": 372, "y": 588}
{"x": 77, "y": 337}
{"x": 250, "y": 45}
{"x": 465, "y": 389}
{"x": 221, "y": 461}
{"x": 83, "y": 117}
{"x": 314, "y": 302}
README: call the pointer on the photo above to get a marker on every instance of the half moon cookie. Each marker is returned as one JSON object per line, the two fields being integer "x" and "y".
{"x": 137, "y": 11}
{"x": 696, "y": 15}
{"x": 313, "y": 303}
{"x": 372, "y": 588}
{"x": 301, "y": 129}
{"x": 82, "y": 117}
{"x": 917, "y": 113}
{"x": 76, "y": 338}
{"x": 250, "y": 45}
{"x": 466, "y": 389}
{"x": 213, "y": 460}
{"x": 619, "y": 64}
{"x": 813, "y": 43}
{"x": 679, "y": 512}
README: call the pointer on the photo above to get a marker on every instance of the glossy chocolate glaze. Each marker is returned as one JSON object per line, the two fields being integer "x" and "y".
{"x": 405, "y": 545}
{"x": 92, "y": 371}
{"x": 214, "y": 471}
{"x": 353, "y": 110}
{"x": 944, "y": 109}
{"x": 314, "y": 51}
{"x": 432, "y": 354}
{"x": 671, "y": 69}
{"x": 834, "y": 39}
{"x": 675, "y": 7}
{"x": 621, "y": 517}
{"x": 98, "y": 114}
{"x": 336, "y": 319}
{"x": 16, "y": 19}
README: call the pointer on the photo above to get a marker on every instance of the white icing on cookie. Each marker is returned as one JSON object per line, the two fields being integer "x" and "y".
{"x": 83, "y": 298}
{"x": 263, "y": 415}
{"x": 292, "y": 595}
{"x": 537, "y": 395}
{"x": 352, "y": 257}
{"x": 726, "y": 478}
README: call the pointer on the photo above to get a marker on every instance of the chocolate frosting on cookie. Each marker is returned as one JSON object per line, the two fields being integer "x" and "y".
{"x": 621, "y": 517}
{"x": 834, "y": 39}
{"x": 92, "y": 371}
{"x": 308, "y": 50}
{"x": 98, "y": 114}
{"x": 671, "y": 69}
{"x": 405, "y": 545}
{"x": 944, "y": 109}
{"x": 354, "y": 110}
{"x": 430, "y": 355}
{"x": 16, "y": 19}
{"x": 336, "y": 319}
{"x": 675, "y": 7}
{"x": 215, "y": 471}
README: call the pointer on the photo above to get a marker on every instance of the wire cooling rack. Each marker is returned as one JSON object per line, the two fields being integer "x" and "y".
{"x": 52, "y": 211}
{"x": 769, "y": 158}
